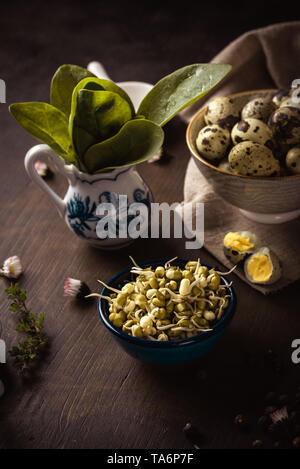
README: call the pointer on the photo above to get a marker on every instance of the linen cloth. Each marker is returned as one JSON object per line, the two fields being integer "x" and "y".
{"x": 264, "y": 58}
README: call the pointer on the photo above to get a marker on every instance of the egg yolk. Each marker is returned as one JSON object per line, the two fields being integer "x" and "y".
{"x": 237, "y": 242}
{"x": 260, "y": 268}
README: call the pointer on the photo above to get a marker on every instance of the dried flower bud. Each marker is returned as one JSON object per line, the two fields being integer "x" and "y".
{"x": 42, "y": 169}
{"x": 76, "y": 288}
{"x": 12, "y": 267}
{"x": 279, "y": 415}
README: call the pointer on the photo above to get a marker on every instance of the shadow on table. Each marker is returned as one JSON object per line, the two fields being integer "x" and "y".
{"x": 231, "y": 379}
{"x": 142, "y": 250}
{"x": 8, "y": 434}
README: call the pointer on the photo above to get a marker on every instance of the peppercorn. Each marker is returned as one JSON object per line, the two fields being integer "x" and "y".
{"x": 296, "y": 442}
{"x": 241, "y": 422}
{"x": 257, "y": 444}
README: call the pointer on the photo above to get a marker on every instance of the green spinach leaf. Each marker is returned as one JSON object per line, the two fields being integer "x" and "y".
{"x": 63, "y": 83}
{"x": 100, "y": 84}
{"x": 100, "y": 114}
{"x": 137, "y": 141}
{"x": 48, "y": 124}
{"x": 180, "y": 89}
{"x": 92, "y": 123}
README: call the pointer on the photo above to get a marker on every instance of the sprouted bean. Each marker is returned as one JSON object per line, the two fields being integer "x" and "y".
{"x": 168, "y": 303}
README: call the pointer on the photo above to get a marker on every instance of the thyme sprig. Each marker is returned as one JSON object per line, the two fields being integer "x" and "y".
{"x": 31, "y": 348}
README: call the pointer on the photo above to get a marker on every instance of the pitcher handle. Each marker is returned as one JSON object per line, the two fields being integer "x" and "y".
{"x": 98, "y": 69}
{"x": 34, "y": 154}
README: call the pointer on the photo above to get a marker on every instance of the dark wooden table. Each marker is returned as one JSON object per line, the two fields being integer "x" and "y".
{"x": 87, "y": 393}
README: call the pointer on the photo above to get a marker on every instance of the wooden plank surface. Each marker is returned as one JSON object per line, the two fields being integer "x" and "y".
{"x": 88, "y": 393}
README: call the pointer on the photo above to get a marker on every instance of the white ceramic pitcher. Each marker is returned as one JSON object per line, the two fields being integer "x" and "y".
{"x": 86, "y": 192}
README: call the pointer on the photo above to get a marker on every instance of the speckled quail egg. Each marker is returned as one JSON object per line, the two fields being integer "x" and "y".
{"x": 213, "y": 141}
{"x": 253, "y": 159}
{"x": 292, "y": 160}
{"x": 285, "y": 124}
{"x": 290, "y": 102}
{"x": 224, "y": 165}
{"x": 224, "y": 111}
{"x": 259, "y": 108}
{"x": 280, "y": 95}
{"x": 285, "y": 93}
{"x": 239, "y": 244}
{"x": 263, "y": 267}
{"x": 253, "y": 130}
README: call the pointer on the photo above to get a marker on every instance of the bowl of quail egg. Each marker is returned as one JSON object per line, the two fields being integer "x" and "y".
{"x": 247, "y": 146}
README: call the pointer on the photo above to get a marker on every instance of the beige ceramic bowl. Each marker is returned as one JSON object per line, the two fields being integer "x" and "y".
{"x": 263, "y": 199}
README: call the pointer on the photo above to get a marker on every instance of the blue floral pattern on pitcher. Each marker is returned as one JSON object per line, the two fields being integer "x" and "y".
{"x": 139, "y": 195}
{"x": 80, "y": 213}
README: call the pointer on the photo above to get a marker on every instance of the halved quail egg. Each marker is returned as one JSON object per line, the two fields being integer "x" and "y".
{"x": 213, "y": 141}
{"x": 251, "y": 129}
{"x": 263, "y": 267}
{"x": 239, "y": 244}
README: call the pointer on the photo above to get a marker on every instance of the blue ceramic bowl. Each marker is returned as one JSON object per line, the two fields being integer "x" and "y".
{"x": 172, "y": 351}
